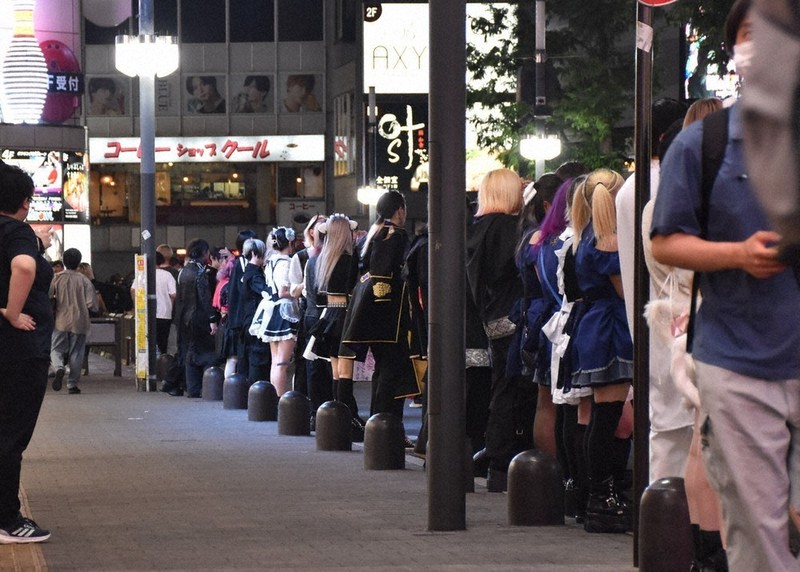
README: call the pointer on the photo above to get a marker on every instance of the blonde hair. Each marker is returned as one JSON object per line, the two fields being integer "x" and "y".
{"x": 500, "y": 192}
{"x": 594, "y": 202}
{"x": 700, "y": 109}
{"x": 338, "y": 240}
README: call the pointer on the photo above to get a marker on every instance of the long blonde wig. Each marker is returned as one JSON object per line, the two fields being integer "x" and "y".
{"x": 500, "y": 192}
{"x": 338, "y": 240}
{"x": 594, "y": 202}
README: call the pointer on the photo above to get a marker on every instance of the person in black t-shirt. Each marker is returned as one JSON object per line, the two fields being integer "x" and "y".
{"x": 26, "y": 325}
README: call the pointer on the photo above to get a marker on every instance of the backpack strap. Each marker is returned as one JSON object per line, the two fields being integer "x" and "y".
{"x": 715, "y": 142}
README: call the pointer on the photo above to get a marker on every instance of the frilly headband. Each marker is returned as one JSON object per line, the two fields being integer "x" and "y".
{"x": 322, "y": 227}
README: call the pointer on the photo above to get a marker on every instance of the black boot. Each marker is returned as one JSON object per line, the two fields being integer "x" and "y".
{"x": 606, "y": 510}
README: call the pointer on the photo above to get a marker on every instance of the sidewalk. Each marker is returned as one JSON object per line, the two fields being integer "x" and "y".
{"x": 127, "y": 480}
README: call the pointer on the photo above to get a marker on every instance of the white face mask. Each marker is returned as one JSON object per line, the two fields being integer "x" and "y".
{"x": 742, "y": 56}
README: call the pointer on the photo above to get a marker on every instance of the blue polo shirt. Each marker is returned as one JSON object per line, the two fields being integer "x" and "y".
{"x": 744, "y": 324}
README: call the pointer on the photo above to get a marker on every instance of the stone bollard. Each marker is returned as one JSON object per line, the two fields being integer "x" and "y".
{"x": 234, "y": 392}
{"x": 535, "y": 490}
{"x": 262, "y": 402}
{"x": 213, "y": 379}
{"x": 384, "y": 443}
{"x": 294, "y": 414}
{"x": 665, "y": 532}
{"x": 334, "y": 424}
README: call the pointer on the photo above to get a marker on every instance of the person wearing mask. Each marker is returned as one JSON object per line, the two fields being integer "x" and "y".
{"x": 26, "y": 327}
{"x": 745, "y": 349}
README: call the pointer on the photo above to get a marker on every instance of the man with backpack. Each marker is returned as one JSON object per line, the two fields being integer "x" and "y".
{"x": 746, "y": 350}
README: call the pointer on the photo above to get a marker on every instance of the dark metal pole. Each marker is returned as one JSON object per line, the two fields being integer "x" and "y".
{"x": 641, "y": 341}
{"x": 147, "y": 119}
{"x": 446, "y": 259}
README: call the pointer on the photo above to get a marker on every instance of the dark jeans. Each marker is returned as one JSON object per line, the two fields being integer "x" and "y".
{"x": 22, "y": 386}
{"x": 162, "y": 334}
{"x": 257, "y": 359}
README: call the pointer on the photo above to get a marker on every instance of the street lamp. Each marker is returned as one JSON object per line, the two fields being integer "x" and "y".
{"x": 540, "y": 147}
{"x": 147, "y": 56}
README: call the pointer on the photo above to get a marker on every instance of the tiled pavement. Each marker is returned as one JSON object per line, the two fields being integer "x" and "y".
{"x": 129, "y": 480}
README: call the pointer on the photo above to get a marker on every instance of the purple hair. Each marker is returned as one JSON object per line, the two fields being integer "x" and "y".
{"x": 555, "y": 221}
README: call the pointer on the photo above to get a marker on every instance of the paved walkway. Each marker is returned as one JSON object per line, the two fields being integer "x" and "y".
{"x": 127, "y": 480}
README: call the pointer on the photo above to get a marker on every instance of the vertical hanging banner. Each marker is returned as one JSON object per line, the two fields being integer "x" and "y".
{"x": 140, "y": 312}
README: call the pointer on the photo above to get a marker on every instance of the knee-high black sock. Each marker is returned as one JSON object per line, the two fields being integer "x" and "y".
{"x": 622, "y": 451}
{"x": 345, "y": 395}
{"x": 565, "y": 437}
{"x": 600, "y": 440}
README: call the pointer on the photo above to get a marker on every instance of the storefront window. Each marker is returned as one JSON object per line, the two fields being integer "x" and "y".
{"x": 203, "y": 22}
{"x": 185, "y": 193}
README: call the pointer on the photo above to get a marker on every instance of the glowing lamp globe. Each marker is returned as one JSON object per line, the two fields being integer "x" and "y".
{"x": 24, "y": 69}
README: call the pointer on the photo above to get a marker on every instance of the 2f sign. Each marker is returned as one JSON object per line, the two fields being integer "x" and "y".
{"x": 372, "y": 12}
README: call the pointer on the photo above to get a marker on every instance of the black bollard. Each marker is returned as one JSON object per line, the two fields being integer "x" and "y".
{"x": 334, "y": 427}
{"x": 294, "y": 414}
{"x": 665, "y": 531}
{"x": 384, "y": 443}
{"x": 213, "y": 378}
{"x": 535, "y": 490}
{"x": 262, "y": 402}
{"x": 234, "y": 392}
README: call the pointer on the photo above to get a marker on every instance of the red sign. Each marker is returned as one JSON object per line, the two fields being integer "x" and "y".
{"x": 656, "y": 3}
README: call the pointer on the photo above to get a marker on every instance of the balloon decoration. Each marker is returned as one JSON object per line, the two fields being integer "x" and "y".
{"x": 59, "y": 107}
{"x": 107, "y": 13}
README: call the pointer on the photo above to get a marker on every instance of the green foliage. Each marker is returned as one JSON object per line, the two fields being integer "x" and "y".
{"x": 591, "y": 48}
{"x": 596, "y": 75}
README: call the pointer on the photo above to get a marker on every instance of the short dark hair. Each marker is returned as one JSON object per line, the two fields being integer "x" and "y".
{"x": 197, "y": 249}
{"x": 204, "y": 79}
{"x": 243, "y": 236}
{"x": 260, "y": 81}
{"x": 159, "y": 258}
{"x": 15, "y": 186}
{"x": 72, "y": 258}
{"x": 98, "y": 83}
{"x": 306, "y": 81}
{"x": 734, "y": 21}
{"x": 665, "y": 112}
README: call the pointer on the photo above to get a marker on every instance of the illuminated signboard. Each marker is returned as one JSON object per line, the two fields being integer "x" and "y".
{"x": 396, "y": 49}
{"x": 61, "y": 184}
{"x": 211, "y": 149}
{"x": 401, "y": 143}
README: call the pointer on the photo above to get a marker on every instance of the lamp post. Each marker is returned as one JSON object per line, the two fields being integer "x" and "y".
{"x": 540, "y": 147}
{"x": 147, "y": 56}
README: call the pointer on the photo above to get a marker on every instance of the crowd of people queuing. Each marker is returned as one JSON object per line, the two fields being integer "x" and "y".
{"x": 299, "y": 313}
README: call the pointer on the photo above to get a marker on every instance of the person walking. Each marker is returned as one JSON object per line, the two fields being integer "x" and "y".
{"x": 73, "y": 297}
{"x": 26, "y": 327}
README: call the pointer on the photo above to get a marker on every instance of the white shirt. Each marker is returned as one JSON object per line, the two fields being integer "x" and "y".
{"x": 165, "y": 293}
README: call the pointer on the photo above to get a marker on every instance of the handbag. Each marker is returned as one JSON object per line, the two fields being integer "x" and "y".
{"x": 499, "y": 328}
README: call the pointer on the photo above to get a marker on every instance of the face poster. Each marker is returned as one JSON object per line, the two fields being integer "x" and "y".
{"x": 47, "y": 171}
